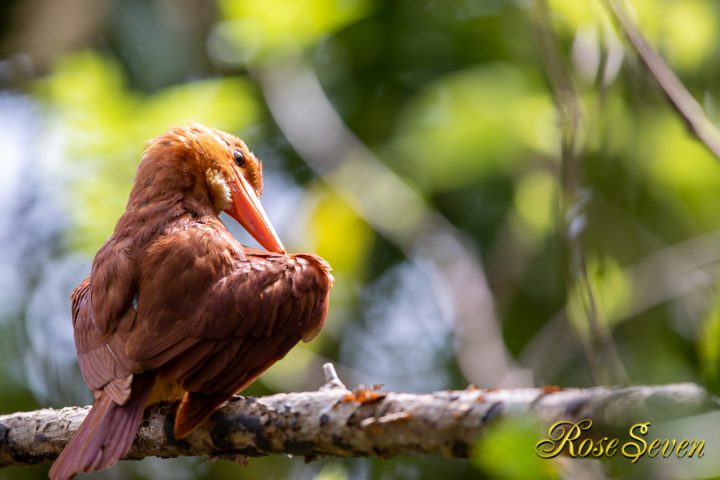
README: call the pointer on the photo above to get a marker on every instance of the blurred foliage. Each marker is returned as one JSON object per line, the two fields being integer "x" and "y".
{"x": 333, "y": 220}
{"x": 709, "y": 347}
{"x": 453, "y": 96}
{"x": 251, "y": 31}
{"x": 497, "y": 112}
{"x": 507, "y": 452}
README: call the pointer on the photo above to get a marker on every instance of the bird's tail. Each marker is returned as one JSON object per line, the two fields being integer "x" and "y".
{"x": 105, "y": 436}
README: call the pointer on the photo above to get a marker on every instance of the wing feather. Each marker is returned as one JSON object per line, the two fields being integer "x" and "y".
{"x": 99, "y": 365}
{"x": 264, "y": 302}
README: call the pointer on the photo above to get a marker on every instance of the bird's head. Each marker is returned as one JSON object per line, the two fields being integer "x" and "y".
{"x": 221, "y": 165}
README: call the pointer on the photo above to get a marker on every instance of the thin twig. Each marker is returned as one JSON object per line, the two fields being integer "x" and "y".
{"x": 600, "y": 350}
{"x": 662, "y": 276}
{"x": 684, "y": 103}
{"x": 332, "y": 381}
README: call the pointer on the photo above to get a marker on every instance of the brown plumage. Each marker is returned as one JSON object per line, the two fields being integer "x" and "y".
{"x": 175, "y": 308}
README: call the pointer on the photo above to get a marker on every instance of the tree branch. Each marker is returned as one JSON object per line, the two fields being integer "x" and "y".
{"x": 363, "y": 422}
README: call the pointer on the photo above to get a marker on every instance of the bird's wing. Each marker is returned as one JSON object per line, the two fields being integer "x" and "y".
{"x": 113, "y": 284}
{"x": 213, "y": 318}
{"x": 101, "y": 367}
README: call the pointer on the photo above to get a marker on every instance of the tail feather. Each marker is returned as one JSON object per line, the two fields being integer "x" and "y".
{"x": 105, "y": 436}
{"x": 194, "y": 409}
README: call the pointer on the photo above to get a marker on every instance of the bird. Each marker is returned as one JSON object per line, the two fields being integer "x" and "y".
{"x": 175, "y": 309}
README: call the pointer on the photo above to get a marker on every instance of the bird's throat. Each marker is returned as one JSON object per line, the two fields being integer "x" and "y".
{"x": 219, "y": 190}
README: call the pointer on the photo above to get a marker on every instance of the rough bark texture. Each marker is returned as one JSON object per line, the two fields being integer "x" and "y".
{"x": 335, "y": 421}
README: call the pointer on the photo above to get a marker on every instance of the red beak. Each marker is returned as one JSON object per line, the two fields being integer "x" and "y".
{"x": 246, "y": 209}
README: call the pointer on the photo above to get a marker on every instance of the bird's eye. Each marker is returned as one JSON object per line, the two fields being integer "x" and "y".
{"x": 239, "y": 158}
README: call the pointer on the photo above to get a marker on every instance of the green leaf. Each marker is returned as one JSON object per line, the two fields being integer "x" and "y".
{"x": 507, "y": 452}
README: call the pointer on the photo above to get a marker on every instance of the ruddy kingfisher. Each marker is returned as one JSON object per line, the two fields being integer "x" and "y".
{"x": 175, "y": 308}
